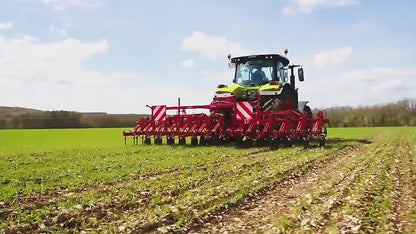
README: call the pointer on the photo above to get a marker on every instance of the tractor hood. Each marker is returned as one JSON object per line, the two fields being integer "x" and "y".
{"x": 240, "y": 91}
{"x": 271, "y": 86}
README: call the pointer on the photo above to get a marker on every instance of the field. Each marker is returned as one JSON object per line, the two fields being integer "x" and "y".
{"x": 364, "y": 180}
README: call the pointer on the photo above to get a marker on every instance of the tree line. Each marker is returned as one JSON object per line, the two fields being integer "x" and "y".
{"x": 22, "y": 118}
{"x": 401, "y": 113}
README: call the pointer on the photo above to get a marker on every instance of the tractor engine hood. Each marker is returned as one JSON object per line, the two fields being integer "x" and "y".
{"x": 240, "y": 91}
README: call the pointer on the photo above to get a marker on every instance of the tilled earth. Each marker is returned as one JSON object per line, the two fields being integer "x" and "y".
{"x": 353, "y": 186}
{"x": 371, "y": 188}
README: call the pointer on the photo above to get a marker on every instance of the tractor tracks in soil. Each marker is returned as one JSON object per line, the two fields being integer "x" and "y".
{"x": 273, "y": 206}
{"x": 57, "y": 195}
{"x": 349, "y": 189}
{"x": 372, "y": 188}
{"x": 404, "y": 205}
{"x": 119, "y": 208}
{"x": 53, "y": 201}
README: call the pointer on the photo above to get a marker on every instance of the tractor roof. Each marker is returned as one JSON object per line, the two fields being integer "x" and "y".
{"x": 244, "y": 59}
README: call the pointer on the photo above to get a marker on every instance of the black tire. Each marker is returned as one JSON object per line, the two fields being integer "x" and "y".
{"x": 194, "y": 141}
{"x": 305, "y": 141}
{"x": 182, "y": 141}
{"x": 203, "y": 141}
{"x": 147, "y": 140}
{"x": 273, "y": 143}
{"x": 158, "y": 140}
{"x": 308, "y": 112}
{"x": 322, "y": 142}
{"x": 170, "y": 140}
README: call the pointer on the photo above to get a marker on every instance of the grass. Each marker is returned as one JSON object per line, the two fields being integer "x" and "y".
{"x": 85, "y": 171}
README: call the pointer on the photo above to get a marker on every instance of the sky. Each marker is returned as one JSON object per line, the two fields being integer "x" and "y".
{"x": 119, "y": 56}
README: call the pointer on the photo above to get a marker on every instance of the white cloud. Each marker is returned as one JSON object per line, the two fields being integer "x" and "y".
{"x": 60, "y": 31}
{"x": 52, "y": 76}
{"x": 188, "y": 63}
{"x": 333, "y": 57}
{"x": 25, "y": 58}
{"x": 62, "y": 4}
{"x": 212, "y": 46}
{"x": 308, "y": 6}
{"x": 4, "y": 26}
{"x": 370, "y": 86}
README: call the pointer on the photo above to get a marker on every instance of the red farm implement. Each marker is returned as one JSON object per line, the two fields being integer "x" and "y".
{"x": 260, "y": 108}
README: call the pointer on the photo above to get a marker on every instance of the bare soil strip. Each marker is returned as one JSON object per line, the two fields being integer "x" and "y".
{"x": 281, "y": 208}
{"x": 290, "y": 160}
{"x": 352, "y": 209}
{"x": 370, "y": 189}
{"x": 403, "y": 211}
{"x": 104, "y": 215}
{"x": 53, "y": 197}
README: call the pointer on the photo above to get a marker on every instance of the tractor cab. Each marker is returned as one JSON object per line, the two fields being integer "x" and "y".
{"x": 269, "y": 75}
{"x": 258, "y": 70}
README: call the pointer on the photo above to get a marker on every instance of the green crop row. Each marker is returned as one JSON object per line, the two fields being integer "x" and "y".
{"x": 88, "y": 173}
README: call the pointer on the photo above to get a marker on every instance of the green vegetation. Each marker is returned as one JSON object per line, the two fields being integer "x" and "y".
{"x": 402, "y": 113}
{"x": 87, "y": 179}
{"x": 16, "y": 117}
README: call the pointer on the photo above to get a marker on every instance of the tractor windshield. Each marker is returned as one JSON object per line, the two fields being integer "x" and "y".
{"x": 259, "y": 72}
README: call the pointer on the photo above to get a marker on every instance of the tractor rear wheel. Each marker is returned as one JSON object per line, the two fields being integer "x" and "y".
{"x": 308, "y": 112}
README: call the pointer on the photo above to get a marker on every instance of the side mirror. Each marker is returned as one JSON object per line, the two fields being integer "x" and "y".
{"x": 300, "y": 74}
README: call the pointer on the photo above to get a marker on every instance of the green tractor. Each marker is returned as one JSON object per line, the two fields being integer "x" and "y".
{"x": 265, "y": 75}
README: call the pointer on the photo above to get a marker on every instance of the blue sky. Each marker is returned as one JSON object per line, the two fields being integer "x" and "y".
{"x": 118, "y": 56}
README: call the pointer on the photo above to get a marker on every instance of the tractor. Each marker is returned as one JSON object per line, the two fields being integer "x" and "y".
{"x": 261, "y": 107}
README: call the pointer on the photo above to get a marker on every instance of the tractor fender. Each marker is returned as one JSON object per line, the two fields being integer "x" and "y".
{"x": 301, "y": 105}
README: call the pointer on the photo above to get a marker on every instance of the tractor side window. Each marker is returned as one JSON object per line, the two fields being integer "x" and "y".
{"x": 243, "y": 74}
{"x": 281, "y": 73}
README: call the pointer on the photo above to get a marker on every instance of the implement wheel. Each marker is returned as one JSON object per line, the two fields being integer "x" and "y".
{"x": 203, "y": 141}
{"x": 288, "y": 142}
{"x": 322, "y": 142}
{"x": 194, "y": 141}
{"x": 158, "y": 140}
{"x": 305, "y": 141}
{"x": 170, "y": 140}
{"x": 260, "y": 142}
{"x": 273, "y": 143}
{"x": 182, "y": 141}
{"x": 322, "y": 138}
{"x": 147, "y": 140}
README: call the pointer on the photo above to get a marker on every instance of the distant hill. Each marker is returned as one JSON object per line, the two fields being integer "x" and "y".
{"x": 401, "y": 113}
{"x": 18, "y": 117}
{"x": 16, "y": 110}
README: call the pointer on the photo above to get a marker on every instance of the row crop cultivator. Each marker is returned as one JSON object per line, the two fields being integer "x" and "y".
{"x": 261, "y": 107}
